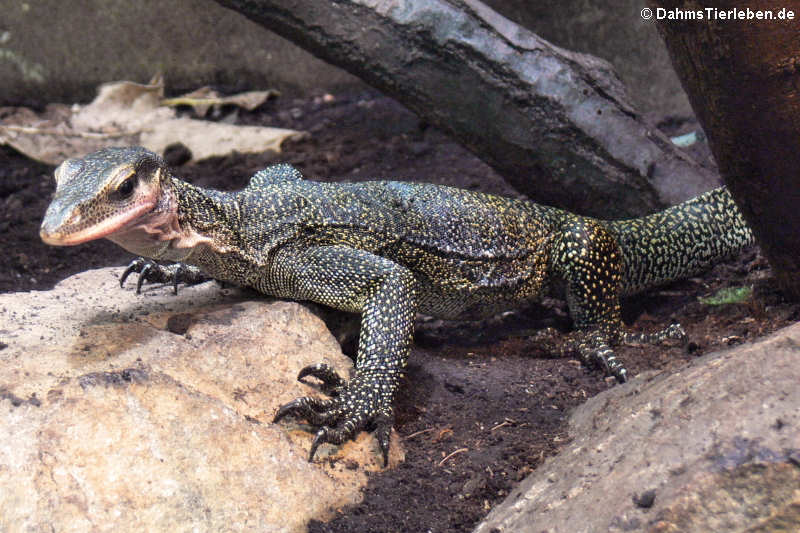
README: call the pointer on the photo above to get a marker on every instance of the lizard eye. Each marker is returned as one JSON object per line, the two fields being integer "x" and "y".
{"x": 125, "y": 188}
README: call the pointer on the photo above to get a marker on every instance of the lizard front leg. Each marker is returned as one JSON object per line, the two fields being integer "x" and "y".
{"x": 383, "y": 292}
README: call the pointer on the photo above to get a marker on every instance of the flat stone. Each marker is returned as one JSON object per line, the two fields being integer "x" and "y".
{"x": 153, "y": 412}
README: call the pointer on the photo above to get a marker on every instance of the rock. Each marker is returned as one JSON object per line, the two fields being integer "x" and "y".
{"x": 153, "y": 412}
{"x": 714, "y": 447}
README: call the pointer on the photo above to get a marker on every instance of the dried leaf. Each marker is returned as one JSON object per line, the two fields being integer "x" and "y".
{"x": 208, "y": 139}
{"x": 126, "y": 113}
{"x": 205, "y": 98}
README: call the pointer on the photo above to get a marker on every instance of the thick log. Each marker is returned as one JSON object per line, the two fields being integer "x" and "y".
{"x": 556, "y": 124}
{"x": 743, "y": 80}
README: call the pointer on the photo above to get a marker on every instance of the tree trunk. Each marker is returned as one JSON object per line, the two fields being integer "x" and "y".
{"x": 743, "y": 80}
{"x": 555, "y": 124}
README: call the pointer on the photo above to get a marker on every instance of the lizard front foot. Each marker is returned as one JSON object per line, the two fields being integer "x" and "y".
{"x": 365, "y": 401}
{"x": 151, "y": 271}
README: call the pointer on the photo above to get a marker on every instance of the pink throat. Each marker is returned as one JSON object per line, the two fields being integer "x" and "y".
{"x": 151, "y": 231}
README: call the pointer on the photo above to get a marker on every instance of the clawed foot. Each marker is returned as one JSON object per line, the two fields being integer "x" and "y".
{"x": 365, "y": 401}
{"x": 673, "y": 331}
{"x": 604, "y": 357}
{"x": 151, "y": 271}
{"x": 594, "y": 349}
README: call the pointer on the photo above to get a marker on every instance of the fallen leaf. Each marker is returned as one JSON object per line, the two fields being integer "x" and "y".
{"x": 209, "y": 139}
{"x": 126, "y": 113}
{"x": 204, "y": 98}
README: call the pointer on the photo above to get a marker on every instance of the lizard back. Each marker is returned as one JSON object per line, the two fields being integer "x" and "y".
{"x": 472, "y": 254}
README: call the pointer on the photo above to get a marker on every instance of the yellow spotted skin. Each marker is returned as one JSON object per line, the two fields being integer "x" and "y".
{"x": 388, "y": 250}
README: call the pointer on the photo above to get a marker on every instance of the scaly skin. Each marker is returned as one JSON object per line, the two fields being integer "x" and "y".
{"x": 387, "y": 250}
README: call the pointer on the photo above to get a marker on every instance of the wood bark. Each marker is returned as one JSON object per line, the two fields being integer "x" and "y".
{"x": 555, "y": 124}
{"x": 743, "y": 80}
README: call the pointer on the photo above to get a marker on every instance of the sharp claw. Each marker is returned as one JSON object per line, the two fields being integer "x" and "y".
{"x": 127, "y": 272}
{"x": 613, "y": 367}
{"x": 287, "y": 409}
{"x": 319, "y": 438}
{"x": 178, "y": 272}
{"x": 329, "y": 377}
{"x": 384, "y": 445}
{"x": 680, "y": 334}
{"x": 382, "y": 433}
{"x": 142, "y": 276}
{"x": 308, "y": 371}
{"x": 282, "y": 412}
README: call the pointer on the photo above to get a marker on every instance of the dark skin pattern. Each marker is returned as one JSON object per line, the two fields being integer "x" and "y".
{"x": 388, "y": 250}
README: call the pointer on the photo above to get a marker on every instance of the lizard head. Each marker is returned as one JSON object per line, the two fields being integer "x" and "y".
{"x": 105, "y": 194}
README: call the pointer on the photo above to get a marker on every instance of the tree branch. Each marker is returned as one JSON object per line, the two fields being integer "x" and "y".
{"x": 556, "y": 124}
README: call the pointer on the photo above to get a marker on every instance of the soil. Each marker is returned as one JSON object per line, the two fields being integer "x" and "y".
{"x": 483, "y": 403}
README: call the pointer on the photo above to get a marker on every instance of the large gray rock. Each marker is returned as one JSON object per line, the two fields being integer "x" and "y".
{"x": 715, "y": 447}
{"x": 152, "y": 413}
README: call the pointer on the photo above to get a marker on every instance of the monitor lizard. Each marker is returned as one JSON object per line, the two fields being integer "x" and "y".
{"x": 387, "y": 250}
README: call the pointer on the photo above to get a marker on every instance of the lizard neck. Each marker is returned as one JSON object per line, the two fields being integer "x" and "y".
{"x": 207, "y": 218}
{"x": 187, "y": 219}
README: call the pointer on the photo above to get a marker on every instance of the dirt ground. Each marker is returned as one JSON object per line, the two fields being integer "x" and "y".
{"x": 483, "y": 403}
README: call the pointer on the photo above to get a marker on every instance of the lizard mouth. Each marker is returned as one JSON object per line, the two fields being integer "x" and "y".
{"x": 106, "y": 227}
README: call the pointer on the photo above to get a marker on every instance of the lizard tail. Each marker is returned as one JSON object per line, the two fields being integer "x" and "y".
{"x": 680, "y": 241}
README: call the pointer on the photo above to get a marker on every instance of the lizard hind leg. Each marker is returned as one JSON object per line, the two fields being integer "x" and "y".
{"x": 589, "y": 260}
